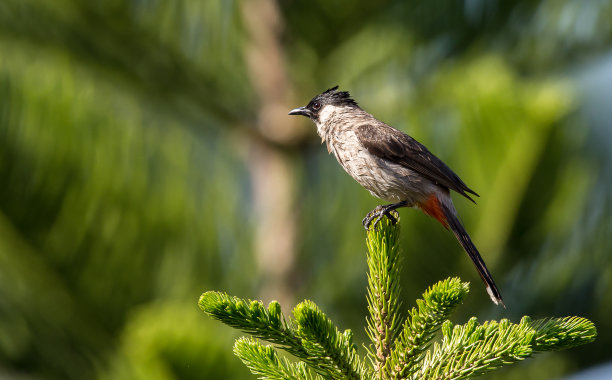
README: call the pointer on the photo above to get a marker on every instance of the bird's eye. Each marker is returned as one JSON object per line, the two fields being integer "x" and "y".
{"x": 316, "y": 106}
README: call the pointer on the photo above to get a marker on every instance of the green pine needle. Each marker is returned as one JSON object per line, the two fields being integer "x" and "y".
{"x": 384, "y": 303}
{"x": 264, "y": 362}
{"x": 422, "y": 323}
{"x": 562, "y": 333}
{"x": 253, "y": 318}
{"x": 472, "y": 349}
{"x": 400, "y": 348}
{"x": 321, "y": 339}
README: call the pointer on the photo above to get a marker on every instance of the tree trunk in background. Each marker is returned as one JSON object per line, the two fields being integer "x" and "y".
{"x": 271, "y": 171}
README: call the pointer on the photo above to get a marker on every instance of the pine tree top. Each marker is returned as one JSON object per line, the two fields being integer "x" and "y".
{"x": 400, "y": 348}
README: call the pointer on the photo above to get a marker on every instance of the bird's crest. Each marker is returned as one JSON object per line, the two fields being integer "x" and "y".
{"x": 339, "y": 98}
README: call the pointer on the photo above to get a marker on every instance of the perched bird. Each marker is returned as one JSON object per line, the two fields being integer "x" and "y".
{"x": 392, "y": 166}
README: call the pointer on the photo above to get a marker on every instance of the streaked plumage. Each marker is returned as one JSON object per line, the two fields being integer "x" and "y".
{"x": 392, "y": 166}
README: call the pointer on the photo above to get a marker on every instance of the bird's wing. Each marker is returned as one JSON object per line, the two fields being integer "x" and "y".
{"x": 390, "y": 144}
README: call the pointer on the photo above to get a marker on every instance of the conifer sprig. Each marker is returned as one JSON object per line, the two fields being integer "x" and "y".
{"x": 400, "y": 348}
{"x": 310, "y": 336}
{"x": 264, "y": 362}
{"x": 321, "y": 339}
{"x": 253, "y": 318}
{"x": 562, "y": 333}
{"x": 422, "y": 323}
{"x": 383, "y": 296}
{"x": 472, "y": 349}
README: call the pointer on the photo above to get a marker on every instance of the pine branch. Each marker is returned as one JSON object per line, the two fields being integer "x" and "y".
{"x": 315, "y": 340}
{"x": 465, "y": 350}
{"x": 383, "y": 290}
{"x": 473, "y": 349}
{"x": 562, "y": 333}
{"x": 255, "y": 319}
{"x": 263, "y": 361}
{"x": 422, "y": 323}
{"x": 334, "y": 351}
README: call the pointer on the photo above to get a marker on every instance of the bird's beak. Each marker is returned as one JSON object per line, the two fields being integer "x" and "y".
{"x": 300, "y": 111}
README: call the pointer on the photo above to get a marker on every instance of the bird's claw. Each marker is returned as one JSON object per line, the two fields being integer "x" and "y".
{"x": 377, "y": 215}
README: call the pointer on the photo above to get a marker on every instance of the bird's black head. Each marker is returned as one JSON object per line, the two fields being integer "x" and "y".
{"x": 331, "y": 97}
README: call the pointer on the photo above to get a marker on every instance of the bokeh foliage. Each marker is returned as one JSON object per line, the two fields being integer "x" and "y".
{"x": 125, "y": 130}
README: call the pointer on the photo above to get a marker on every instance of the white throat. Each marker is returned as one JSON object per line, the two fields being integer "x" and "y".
{"x": 327, "y": 112}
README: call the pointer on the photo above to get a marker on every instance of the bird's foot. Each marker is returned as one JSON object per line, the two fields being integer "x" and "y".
{"x": 377, "y": 214}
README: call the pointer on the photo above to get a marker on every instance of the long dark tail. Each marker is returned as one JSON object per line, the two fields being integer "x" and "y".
{"x": 464, "y": 239}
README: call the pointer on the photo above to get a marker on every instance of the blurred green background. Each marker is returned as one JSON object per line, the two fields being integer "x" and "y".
{"x": 146, "y": 156}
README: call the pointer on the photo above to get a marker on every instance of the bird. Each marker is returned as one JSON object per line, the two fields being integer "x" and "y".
{"x": 394, "y": 167}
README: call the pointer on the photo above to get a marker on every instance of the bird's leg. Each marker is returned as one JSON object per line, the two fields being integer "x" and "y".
{"x": 381, "y": 211}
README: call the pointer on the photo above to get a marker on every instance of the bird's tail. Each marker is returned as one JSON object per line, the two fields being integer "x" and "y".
{"x": 450, "y": 220}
